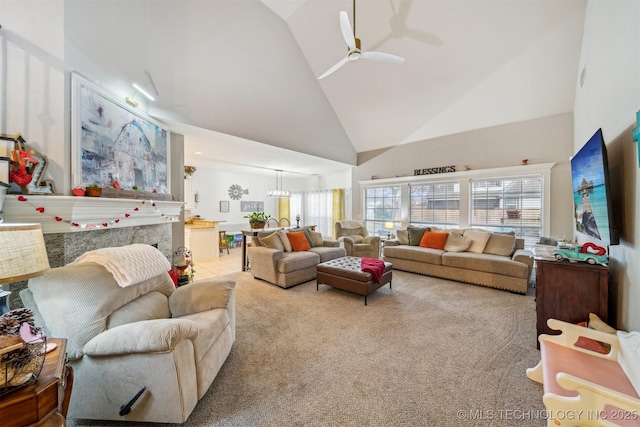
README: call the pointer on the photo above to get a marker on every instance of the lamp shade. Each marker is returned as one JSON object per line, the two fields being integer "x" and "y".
{"x": 22, "y": 252}
{"x": 388, "y": 226}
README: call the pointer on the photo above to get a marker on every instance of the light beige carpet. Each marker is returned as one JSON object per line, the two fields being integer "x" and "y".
{"x": 427, "y": 352}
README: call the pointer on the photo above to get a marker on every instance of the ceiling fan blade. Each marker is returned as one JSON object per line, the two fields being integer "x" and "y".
{"x": 347, "y": 32}
{"x": 334, "y": 68}
{"x": 382, "y": 57}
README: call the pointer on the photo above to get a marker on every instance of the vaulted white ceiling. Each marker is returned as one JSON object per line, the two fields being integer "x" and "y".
{"x": 239, "y": 78}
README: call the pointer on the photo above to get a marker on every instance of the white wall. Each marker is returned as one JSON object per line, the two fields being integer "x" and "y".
{"x": 33, "y": 90}
{"x": 545, "y": 140}
{"x": 609, "y": 99}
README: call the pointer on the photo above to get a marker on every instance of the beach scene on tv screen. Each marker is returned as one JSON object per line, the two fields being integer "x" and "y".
{"x": 589, "y": 191}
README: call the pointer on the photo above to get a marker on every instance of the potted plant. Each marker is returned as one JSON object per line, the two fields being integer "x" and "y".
{"x": 257, "y": 219}
{"x": 93, "y": 190}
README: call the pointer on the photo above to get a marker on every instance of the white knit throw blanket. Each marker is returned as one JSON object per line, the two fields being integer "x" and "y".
{"x": 129, "y": 264}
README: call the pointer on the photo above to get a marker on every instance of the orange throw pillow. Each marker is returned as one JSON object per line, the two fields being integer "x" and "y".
{"x": 298, "y": 241}
{"x": 433, "y": 239}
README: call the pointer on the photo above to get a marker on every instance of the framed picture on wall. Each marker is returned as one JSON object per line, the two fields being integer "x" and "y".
{"x": 114, "y": 143}
{"x": 224, "y": 206}
{"x": 248, "y": 206}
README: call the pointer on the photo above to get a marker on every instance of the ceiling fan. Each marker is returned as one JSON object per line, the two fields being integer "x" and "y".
{"x": 353, "y": 43}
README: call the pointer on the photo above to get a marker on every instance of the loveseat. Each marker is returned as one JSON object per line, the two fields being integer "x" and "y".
{"x": 283, "y": 258}
{"x": 496, "y": 260}
{"x": 129, "y": 332}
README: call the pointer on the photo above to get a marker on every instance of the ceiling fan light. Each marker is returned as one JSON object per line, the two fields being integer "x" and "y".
{"x": 354, "y": 56}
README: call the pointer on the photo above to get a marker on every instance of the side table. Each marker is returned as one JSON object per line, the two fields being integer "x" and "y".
{"x": 46, "y": 401}
{"x": 569, "y": 291}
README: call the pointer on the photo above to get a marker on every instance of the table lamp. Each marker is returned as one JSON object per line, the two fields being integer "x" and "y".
{"x": 388, "y": 226}
{"x": 23, "y": 255}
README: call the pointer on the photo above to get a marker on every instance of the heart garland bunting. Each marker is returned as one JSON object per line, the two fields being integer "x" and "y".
{"x": 42, "y": 210}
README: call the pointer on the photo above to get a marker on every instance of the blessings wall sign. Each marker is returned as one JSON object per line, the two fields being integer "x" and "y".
{"x": 431, "y": 171}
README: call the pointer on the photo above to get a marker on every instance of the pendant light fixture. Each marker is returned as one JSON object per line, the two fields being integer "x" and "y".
{"x": 278, "y": 192}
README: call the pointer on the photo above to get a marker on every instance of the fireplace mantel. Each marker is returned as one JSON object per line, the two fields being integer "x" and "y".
{"x": 65, "y": 214}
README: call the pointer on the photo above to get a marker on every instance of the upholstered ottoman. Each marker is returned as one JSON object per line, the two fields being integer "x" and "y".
{"x": 346, "y": 274}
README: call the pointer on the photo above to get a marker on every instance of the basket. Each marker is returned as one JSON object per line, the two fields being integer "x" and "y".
{"x": 22, "y": 365}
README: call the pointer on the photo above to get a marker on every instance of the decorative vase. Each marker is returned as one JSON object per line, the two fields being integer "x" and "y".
{"x": 257, "y": 224}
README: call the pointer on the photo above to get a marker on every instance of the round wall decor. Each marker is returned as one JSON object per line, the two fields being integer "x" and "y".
{"x": 236, "y": 192}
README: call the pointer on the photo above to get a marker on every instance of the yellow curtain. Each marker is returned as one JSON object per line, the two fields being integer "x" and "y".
{"x": 283, "y": 209}
{"x": 337, "y": 211}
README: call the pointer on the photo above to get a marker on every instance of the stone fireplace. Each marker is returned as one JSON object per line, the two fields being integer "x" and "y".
{"x": 75, "y": 225}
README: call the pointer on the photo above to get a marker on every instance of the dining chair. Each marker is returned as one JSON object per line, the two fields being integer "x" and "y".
{"x": 223, "y": 242}
{"x": 284, "y": 222}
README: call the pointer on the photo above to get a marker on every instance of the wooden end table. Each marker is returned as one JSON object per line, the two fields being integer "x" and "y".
{"x": 45, "y": 402}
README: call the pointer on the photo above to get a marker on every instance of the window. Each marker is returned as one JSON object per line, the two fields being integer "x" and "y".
{"x": 435, "y": 204}
{"x": 315, "y": 208}
{"x": 382, "y": 204}
{"x": 508, "y": 204}
{"x": 498, "y": 199}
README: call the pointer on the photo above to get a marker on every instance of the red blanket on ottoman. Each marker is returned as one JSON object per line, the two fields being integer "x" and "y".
{"x": 373, "y": 266}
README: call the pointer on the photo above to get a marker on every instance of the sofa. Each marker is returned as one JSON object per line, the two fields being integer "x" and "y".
{"x": 496, "y": 260}
{"x": 135, "y": 333}
{"x": 356, "y": 239}
{"x": 288, "y": 257}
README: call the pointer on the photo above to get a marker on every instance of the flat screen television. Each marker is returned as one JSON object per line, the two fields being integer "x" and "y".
{"x": 592, "y": 192}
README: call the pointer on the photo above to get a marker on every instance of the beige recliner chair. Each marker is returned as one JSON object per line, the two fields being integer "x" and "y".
{"x": 356, "y": 239}
{"x": 147, "y": 344}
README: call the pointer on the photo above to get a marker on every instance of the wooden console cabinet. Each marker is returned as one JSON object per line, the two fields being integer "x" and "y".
{"x": 570, "y": 291}
{"x": 45, "y": 402}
